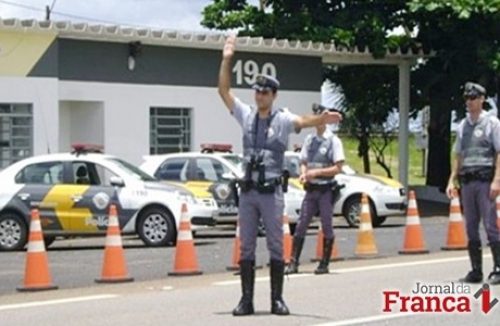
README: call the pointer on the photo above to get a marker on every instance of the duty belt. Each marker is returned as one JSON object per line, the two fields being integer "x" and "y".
{"x": 267, "y": 187}
{"x": 484, "y": 175}
{"x": 321, "y": 187}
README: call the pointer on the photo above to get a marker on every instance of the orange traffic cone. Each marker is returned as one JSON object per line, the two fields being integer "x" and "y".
{"x": 414, "y": 238}
{"x": 366, "y": 246}
{"x": 456, "y": 228}
{"x": 186, "y": 262}
{"x": 319, "y": 248}
{"x": 37, "y": 274}
{"x": 498, "y": 212}
{"x": 114, "y": 268}
{"x": 287, "y": 240}
{"x": 236, "y": 250}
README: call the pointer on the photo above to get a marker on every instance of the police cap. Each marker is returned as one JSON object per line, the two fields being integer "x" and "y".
{"x": 266, "y": 83}
{"x": 473, "y": 90}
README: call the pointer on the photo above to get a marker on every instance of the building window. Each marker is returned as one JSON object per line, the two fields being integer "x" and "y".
{"x": 16, "y": 133}
{"x": 170, "y": 130}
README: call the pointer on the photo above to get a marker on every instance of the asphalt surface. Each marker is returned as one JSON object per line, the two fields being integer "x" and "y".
{"x": 351, "y": 295}
{"x": 76, "y": 263}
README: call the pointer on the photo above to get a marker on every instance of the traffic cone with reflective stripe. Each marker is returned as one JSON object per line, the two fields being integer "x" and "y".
{"x": 366, "y": 246}
{"x": 456, "y": 228}
{"x": 319, "y": 248}
{"x": 186, "y": 262}
{"x": 414, "y": 237}
{"x": 287, "y": 240}
{"x": 498, "y": 212}
{"x": 37, "y": 274}
{"x": 236, "y": 250}
{"x": 114, "y": 268}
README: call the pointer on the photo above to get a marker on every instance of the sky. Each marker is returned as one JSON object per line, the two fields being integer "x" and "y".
{"x": 169, "y": 14}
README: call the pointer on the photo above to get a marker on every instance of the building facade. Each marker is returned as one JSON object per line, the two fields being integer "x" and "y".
{"x": 63, "y": 83}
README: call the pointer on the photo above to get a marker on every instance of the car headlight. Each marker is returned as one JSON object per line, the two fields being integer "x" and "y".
{"x": 186, "y": 197}
{"x": 387, "y": 190}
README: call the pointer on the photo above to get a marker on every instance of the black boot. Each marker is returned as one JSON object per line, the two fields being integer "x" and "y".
{"x": 494, "y": 277}
{"x": 476, "y": 260}
{"x": 293, "y": 267}
{"x": 325, "y": 260}
{"x": 278, "y": 306}
{"x": 247, "y": 275}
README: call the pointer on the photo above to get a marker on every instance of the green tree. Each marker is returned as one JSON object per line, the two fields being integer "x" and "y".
{"x": 369, "y": 91}
{"x": 465, "y": 36}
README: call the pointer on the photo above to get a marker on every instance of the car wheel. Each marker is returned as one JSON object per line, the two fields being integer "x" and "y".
{"x": 48, "y": 240}
{"x": 352, "y": 210}
{"x": 378, "y": 221}
{"x": 13, "y": 232}
{"x": 156, "y": 227}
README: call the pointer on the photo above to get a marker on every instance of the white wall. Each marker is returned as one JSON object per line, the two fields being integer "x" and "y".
{"x": 80, "y": 122}
{"x": 42, "y": 93}
{"x": 126, "y": 112}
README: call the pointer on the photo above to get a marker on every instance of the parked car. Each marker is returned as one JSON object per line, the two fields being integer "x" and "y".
{"x": 387, "y": 197}
{"x": 207, "y": 175}
{"x": 73, "y": 192}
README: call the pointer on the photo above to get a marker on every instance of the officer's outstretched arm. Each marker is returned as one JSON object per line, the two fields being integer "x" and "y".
{"x": 225, "y": 73}
{"x": 308, "y": 121}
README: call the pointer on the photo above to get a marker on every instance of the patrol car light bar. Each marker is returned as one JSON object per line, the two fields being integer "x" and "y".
{"x": 86, "y": 148}
{"x": 210, "y": 148}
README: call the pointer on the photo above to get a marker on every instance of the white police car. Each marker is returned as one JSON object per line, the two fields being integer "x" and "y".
{"x": 207, "y": 174}
{"x": 387, "y": 197}
{"x": 73, "y": 192}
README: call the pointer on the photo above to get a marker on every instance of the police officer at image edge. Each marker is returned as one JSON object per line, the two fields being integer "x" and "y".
{"x": 266, "y": 129}
{"x": 321, "y": 157}
{"x": 476, "y": 167}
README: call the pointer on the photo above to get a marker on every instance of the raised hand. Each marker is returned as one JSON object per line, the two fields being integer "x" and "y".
{"x": 228, "y": 51}
{"x": 331, "y": 117}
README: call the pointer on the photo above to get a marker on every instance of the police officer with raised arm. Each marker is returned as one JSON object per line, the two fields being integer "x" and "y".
{"x": 322, "y": 156}
{"x": 477, "y": 168}
{"x": 266, "y": 130}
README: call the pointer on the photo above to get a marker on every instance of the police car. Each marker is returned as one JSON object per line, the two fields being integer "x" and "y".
{"x": 387, "y": 197}
{"x": 74, "y": 190}
{"x": 208, "y": 174}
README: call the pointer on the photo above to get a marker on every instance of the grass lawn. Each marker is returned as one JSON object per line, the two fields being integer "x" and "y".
{"x": 415, "y": 176}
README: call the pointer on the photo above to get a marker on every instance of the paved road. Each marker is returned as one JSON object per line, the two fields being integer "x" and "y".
{"x": 76, "y": 263}
{"x": 352, "y": 295}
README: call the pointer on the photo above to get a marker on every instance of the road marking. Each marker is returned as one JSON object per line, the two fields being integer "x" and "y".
{"x": 405, "y": 264}
{"x": 369, "y": 319}
{"x": 56, "y": 302}
{"x": 360, "y": 269}
{"x": 260, "y": 279}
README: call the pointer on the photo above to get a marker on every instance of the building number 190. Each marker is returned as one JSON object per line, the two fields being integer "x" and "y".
{"x": 246, "y": 71}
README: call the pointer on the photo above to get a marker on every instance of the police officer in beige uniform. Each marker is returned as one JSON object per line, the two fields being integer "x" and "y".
{"x": 266, "y": 129}
{"x": 477, "y": 168}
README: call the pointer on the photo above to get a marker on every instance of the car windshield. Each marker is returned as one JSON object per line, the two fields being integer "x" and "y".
{"x": 132, "y": 170}
{"x": 236, "y": 160}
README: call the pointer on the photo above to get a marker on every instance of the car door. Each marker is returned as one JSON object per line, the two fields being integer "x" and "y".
{"x": 89, "y": 213}
{"x": 42, "y": 182}
{"x": 209, "y": 177}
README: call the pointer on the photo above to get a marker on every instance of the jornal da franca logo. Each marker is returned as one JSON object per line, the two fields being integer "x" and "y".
{"x": 452, "y": 297}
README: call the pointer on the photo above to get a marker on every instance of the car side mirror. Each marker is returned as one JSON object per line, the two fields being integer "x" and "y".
{"x": 228, "y": 176}
{"x": 117, "y": 182}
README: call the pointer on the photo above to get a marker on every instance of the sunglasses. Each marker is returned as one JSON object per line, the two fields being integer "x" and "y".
{"x": 471, "y": 97}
